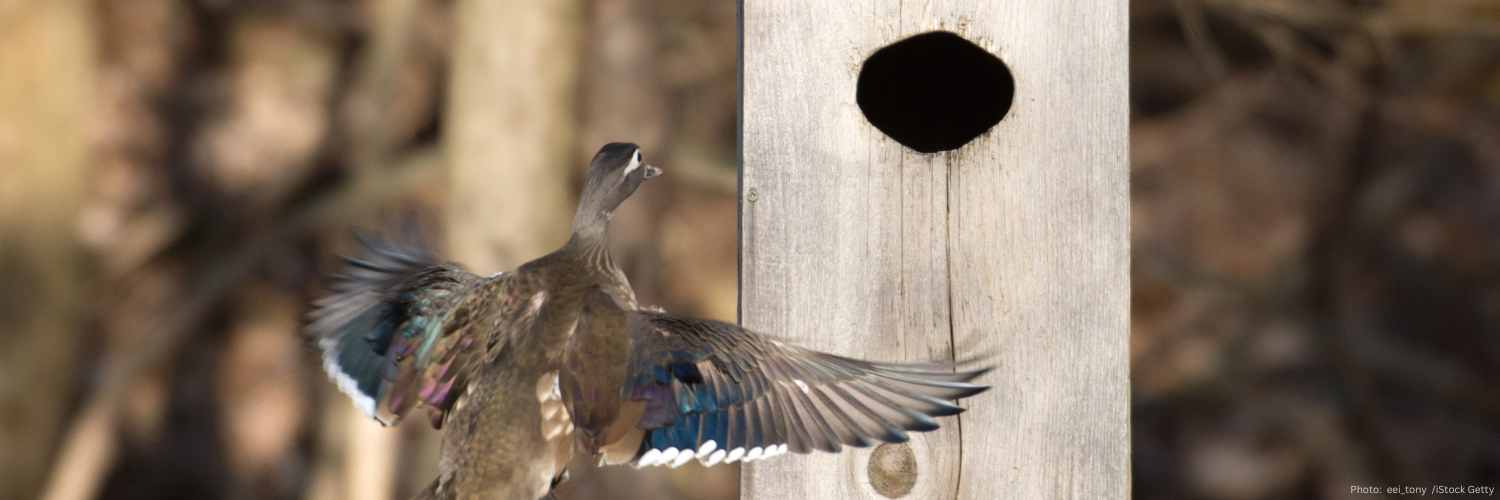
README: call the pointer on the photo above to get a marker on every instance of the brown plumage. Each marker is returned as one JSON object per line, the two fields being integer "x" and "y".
{"x": 481, "y": 353}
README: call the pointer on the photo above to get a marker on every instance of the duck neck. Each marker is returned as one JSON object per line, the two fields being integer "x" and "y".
{"x": 589, "y": 245}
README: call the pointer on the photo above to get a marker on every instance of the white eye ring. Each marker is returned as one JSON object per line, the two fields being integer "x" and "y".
{"x": 635, "y": 162}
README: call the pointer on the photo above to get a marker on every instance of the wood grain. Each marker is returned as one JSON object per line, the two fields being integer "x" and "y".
{"x": 1015, "y": 244}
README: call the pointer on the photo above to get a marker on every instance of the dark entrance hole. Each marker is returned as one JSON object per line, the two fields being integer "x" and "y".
{"x": 934, "y": 91}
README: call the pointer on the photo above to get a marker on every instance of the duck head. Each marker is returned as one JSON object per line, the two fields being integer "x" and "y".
{"x": 614, "y": 174}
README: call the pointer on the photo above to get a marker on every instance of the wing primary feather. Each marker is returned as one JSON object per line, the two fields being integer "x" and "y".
{"x": 766, "y": 422}
{"x": 916, "y": 421}
{"x": 785, "y": 416}
{"x": 739, "y": 427}
{"x": 944, "y": 390}
{"x": 885, "y": 431}
{"x": 921, "y": 402}
{"x": 852, "y": 433}
{"x": 813, "y": 436}
{"x": 798, "y": 372}
{"x": 823, "y": 436}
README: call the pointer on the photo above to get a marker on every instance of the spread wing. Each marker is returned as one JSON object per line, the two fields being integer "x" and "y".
{"x": 399, "y": 328}
{"x": 714, "y": 391}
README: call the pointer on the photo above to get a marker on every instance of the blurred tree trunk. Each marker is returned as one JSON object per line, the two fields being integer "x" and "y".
{"x": 510, "y": 130}
{"x": 624, "y": 102}
{"x": 45, "y": 100}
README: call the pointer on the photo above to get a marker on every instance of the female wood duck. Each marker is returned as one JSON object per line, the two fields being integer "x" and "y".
{"x": 523, "y": 368}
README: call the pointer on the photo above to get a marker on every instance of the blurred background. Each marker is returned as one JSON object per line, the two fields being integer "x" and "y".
{"x": 1315, "y": 209}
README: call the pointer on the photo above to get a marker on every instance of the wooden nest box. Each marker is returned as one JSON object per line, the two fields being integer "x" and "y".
{"x": 921, "y": 177}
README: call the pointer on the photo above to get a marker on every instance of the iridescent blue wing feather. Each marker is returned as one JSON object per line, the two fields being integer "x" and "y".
{"x": 382, "y": 329}
{"x": 720, "y": 393}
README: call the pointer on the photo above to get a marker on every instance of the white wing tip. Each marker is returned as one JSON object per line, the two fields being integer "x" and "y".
{"x": 735, "y": 455}
{"x": 652, "y": 457}
{"x": 714, "y": 458}
{"x": 754, "y": 453}
{"x": 683, "y": 457}
{"x": 668, "y": 455}
{"x": 346, "y": 383}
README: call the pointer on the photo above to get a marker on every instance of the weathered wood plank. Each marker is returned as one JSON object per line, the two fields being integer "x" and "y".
{"x": 1015, "y": 244}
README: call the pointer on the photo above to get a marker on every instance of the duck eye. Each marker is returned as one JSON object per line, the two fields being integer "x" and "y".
{"x": 635, "y": 163}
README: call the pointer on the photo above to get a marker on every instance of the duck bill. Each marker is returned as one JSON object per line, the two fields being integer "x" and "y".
{"x": 652, "y": 171}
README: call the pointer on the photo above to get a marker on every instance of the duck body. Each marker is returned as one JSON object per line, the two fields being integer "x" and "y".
{"x": 481, "y": 354}
{"x": 508, "y": 435}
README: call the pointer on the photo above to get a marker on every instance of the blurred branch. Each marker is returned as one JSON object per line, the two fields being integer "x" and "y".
{"x": 85, "y": 455}
{"x": 1352, "y": 76}
{"x": 1156, "y": 141}
{"x": 1452, "y": 118}
{"x": 1336, "y": 243}
{"x": 1451, "y": 17}
{"x": 1342, "y": 84}
{"x": 374, "y": 91}
{"x": 1195, "y": 27}
{"x": 80, "y": 462}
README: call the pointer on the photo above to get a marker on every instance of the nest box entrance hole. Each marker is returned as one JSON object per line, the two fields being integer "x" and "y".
{"x": 934, "y": 91}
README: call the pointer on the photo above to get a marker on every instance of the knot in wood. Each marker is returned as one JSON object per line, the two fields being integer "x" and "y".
{"x": 893, "y": 470}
